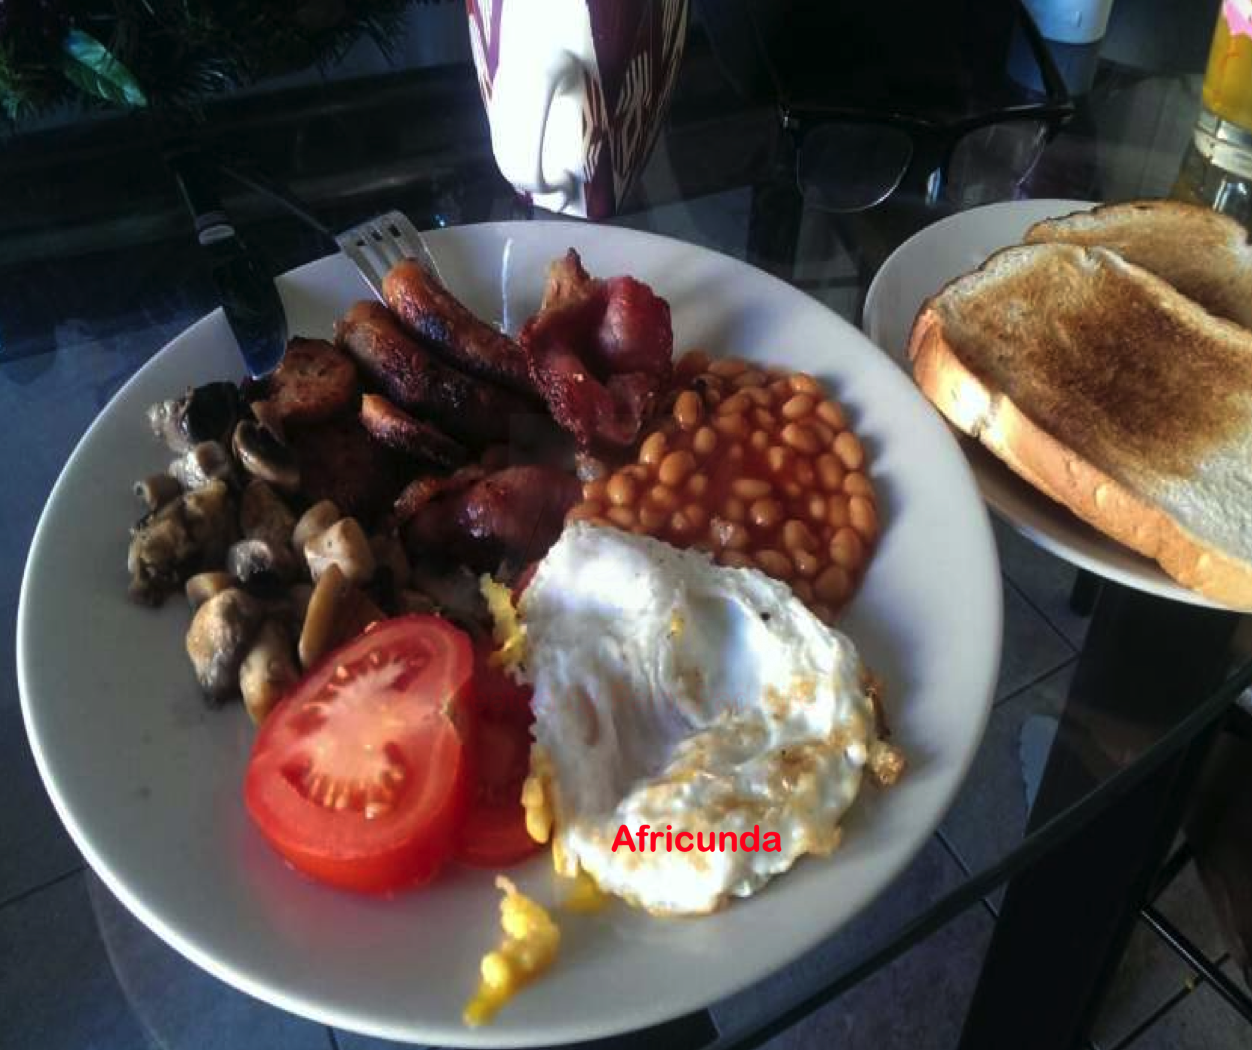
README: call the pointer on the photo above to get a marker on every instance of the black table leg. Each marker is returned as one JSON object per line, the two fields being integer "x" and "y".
{"x": 1086, "y": 590}
{"x": 1065, "y": 922}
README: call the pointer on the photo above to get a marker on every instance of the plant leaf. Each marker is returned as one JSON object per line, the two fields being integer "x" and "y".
{"x": 92, "y": 68}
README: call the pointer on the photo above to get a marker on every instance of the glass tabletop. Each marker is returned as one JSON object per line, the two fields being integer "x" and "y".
{"x": 1099, "y": 716}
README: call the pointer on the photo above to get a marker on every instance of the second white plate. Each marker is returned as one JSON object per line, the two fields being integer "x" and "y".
{"x": 917, "y": 270}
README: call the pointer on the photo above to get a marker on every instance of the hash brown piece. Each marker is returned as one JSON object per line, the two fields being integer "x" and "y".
{"x": 315, "y": 381}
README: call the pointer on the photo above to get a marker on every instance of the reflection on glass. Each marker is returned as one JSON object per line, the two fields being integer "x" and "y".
{"x": 848, "y": 167}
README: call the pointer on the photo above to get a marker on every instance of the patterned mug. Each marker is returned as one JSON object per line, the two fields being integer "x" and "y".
{"x": 575, "y": 91}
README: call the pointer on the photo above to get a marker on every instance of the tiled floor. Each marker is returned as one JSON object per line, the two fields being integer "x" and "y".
{"x": 78, "y": 972}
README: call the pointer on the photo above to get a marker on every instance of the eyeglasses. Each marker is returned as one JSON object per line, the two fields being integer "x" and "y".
{"x": 851, "y": 159}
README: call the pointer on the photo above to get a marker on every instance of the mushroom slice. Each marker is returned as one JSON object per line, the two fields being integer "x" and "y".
{"x": 165, "y": 419}
{"x": 206, "y": 413}
{"x": 210, "y": 516}
{"x": 210, "y": 412}
{"x": 267, "y": 671}
{"x": 314, "y": 521}
{"x": 343, "y": 544}
{"x": 160, "y": 549}
{"x": 264, "y": 516}
{"x": 218, "y": 639}
{"x": 260, "y": 563}
{"x": 157, "y": 490}
{"x": 263, "y": 456}
{"x": 319, "y": 622}
{"x": 183, "y": 535}
{"x": 205, "y": 585}
{"x": 205, "y": 462}
{"x": 270, "y": 419}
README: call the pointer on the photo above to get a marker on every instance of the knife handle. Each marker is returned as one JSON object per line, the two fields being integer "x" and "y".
{"x": 197, "y": 181}
{"x": 249, "y": 298}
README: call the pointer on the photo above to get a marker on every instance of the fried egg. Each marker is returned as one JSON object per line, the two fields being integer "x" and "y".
{"x": 689, "y": 697}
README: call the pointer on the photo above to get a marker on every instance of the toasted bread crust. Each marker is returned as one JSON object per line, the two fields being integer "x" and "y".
{"x": 1111, "y": 359}
{"x": 1205, "y": 255}
{"x": 1059, "y": 472}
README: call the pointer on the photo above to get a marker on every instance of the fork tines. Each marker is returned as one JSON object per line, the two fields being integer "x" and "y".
{"x": 376, "y": 245}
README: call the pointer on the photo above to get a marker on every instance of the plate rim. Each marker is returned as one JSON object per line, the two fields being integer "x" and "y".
{"x": 300, "y": 1005}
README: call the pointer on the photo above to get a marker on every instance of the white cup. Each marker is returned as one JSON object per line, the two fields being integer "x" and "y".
{"x": 575, "y": 91}
{"x": 537, "y": 99}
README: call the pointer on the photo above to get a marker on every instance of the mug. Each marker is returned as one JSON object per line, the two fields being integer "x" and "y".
{"x": 575, "y": 91}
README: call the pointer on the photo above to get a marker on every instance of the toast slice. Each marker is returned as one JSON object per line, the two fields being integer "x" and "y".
{"x": 1112, "y": 393}
{"x": 1206, "y": 256}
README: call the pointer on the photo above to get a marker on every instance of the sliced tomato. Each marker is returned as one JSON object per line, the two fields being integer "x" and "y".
{"x": 358, "y": 776}
{"x": 497, "y": 721}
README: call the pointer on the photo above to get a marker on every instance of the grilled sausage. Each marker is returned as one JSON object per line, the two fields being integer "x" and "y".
{"x": 470, "y": 409}
{"x": 398, "y": 430}
{"x": 425, "y": 488}
{"x": 432, "y": 313}
{"x": 517, "y": 512}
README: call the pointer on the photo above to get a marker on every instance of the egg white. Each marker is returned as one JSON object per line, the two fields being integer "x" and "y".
{"x": 673, "y": 691}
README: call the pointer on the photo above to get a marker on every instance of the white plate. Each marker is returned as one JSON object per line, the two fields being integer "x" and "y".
{"x": 917, "y": 270}
{"x": 148, "y": 781}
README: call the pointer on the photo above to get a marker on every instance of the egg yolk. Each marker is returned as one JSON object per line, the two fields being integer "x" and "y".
{"x": 528, "y": 948}
{"x": 585, "y": 896}
{"x": 507, "y": 630}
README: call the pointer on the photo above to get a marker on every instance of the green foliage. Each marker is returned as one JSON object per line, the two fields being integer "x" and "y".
{"x": 89, "y": 66}
{"x": 172, "y": 54}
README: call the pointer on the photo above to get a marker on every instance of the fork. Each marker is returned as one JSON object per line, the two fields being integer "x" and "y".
{"x": 376, "y": 245}
{"x": 373, "y": 246}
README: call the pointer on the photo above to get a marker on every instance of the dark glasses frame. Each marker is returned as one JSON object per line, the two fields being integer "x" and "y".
{"x": 935, "y": 141}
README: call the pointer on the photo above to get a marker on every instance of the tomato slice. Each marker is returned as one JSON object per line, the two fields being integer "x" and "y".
{"x": 358, "y": 776}
{"x": 497, "y": 723}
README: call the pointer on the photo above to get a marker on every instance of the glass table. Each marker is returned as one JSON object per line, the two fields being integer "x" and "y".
{"x": 98, "y": 269}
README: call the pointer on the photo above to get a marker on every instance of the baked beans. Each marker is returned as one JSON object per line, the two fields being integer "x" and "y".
{"x": 652, "y": 451}
{"x": 766, "y": 513}
{"x": 688, "y": 410}
{"x": 759, "y": 467}
{"x": 675, "y": 467}
{"x": 621, "y": 490}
